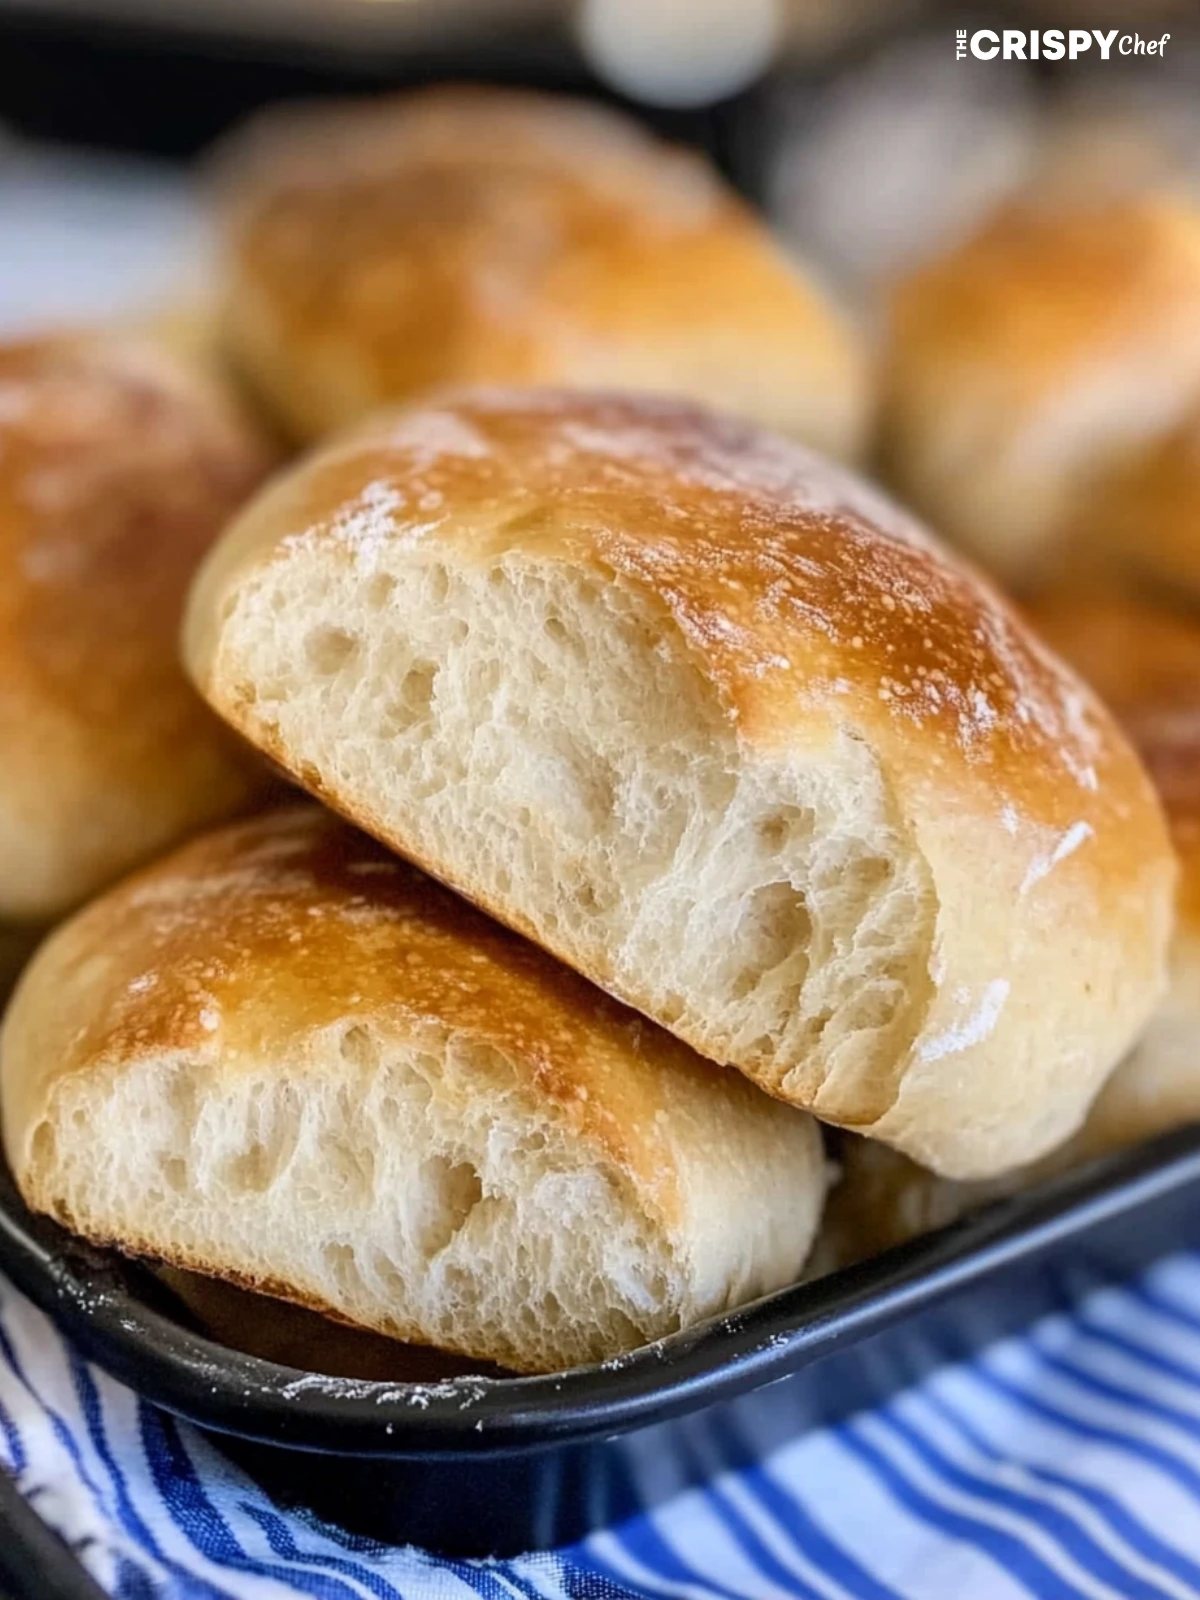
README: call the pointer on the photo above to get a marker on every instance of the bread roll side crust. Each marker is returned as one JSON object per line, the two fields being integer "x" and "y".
{"x": 1145, "y": 659}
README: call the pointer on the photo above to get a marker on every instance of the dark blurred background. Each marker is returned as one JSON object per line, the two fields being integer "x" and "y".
{"x": 851, "y": 121}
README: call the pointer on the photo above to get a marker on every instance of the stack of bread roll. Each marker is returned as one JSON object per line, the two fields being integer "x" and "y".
{"x": 678, "y": 791}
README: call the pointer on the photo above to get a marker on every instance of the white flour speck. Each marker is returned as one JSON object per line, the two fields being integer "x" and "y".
{"x": 429, "y": 435}
{"x": 974, "y": 1029}
{"x": 983, "y": 711}
{"x": 367, "y": 524}
{"x": 1078, "y": 833}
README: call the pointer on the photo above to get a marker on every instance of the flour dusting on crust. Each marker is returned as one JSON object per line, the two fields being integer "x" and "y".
{"x": 776, "y": 562}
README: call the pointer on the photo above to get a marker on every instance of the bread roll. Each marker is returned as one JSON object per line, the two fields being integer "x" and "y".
{"x": 1145, "y": 517}
{"x": 292, "y": 1336}
{"x": 287, "y": 1059}
{"x": 117, "y": 468}
{"x": 1146, "y": 662}
{"x": 726, "y": 731}
{"x": 485, "y": 235}
{"x": 880, "y": 1198}
{"x": 1140, "y": 654}
{"x": 1028, "y": 363}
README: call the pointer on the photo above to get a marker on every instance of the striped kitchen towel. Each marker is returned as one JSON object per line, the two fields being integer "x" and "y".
{"x": 1064, "y": 1463}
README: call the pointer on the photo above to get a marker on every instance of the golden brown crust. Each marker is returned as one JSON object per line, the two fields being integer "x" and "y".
{"x": 267, "y": 931}
{"x": 813, "y": 607}
{"x": 802, "y": 591}
{"x": 1022, "y": 367}
{"x": 1144, "y": 517}
{"x": 117, "y": 470}
{"x": 464, "y": 235}
{"x": 1070, "y": 276}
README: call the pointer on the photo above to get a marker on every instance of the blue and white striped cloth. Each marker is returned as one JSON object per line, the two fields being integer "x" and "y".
{"x": 1064, "y": 1464}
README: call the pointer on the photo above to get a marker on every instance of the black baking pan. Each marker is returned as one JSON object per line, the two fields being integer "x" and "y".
{"x": 541, "y": 1461}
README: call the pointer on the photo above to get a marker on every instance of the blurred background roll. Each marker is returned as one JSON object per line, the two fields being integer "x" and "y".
{"x": 378, "y": 250}
{"x": 1144, "y": 520}
{"x": 1028, "y": 365}
{"x": 118, "y": 466}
